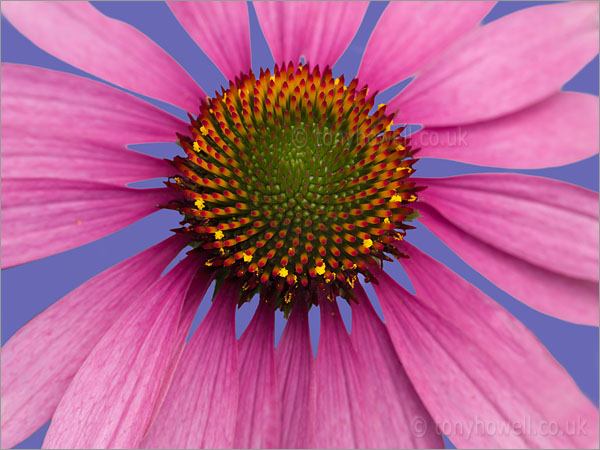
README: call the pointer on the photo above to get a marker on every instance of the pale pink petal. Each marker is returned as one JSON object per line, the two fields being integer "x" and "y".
{"x": 344, "y": 400}
{"x": 221, "y": 30}
{"x": 546, "y": 222}
{"x": 406, "y": 422}
{"x": 296, "y": 378}
{"x": 194, "y": 296}
{"x": 111, "y": 400}
{"x": 40, "y": 360}
{"x": 259, "y": 409}
{"x": 559, "y": 130}
{"x": 557, "y": 295}
{"x": 42, "y": 217}
{"x": 319, "y": 31}
{"x": 58, "y": 125}
{"x": 503, "y": 66}
{"x": 200, "y": 408}
{"x": 410, "y": 34}
{"x": 485, "y": 379}
{"x": 80, "y": 35}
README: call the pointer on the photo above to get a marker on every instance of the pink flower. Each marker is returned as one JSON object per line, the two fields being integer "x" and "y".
{"x": 296, "y": 223}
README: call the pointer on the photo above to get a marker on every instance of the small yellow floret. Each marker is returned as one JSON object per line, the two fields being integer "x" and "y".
{"x": 396, "y": 198}
{"x": 219, "y": 235}
{"x": 386, "y": 220}
{"x": 320, "y": 269}
{"x": 199, "y": 204}
{"x": 247, "y": 258}
{"x": 368, "y": 243}
{"x": 203, "y": 130}
{"x": 196, "y": 147}
{"x": 283, "y": 272}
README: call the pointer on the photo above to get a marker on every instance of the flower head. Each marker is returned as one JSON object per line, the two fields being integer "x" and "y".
{"x": 299, "y": 184}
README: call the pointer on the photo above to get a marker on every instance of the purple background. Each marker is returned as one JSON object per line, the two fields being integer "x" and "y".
{"x": 29, "y": 289}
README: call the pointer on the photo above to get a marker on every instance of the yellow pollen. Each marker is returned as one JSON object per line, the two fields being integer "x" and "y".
{"x": 247, "y": 258}
{"x": 320, "y": 269}
{"x": 196, "y": 147}
{"x": 412, "y": 198}
{"x": 203, "y": 130}
{"x": 288, "y": 297}
{"x": 368, "y": 243}
{"x": 398, "y": 237}
{"x": 396, "y": 198}
{"x": 386, "y": 220}
{"x": 199, "y": 204}
{"x": 283, "y": 272}
{"x": 381, "y": 105}
{"x": 295, "y": 279}
{"x": 222, "y": 251}
{"x": 218, "y": 235}
{"x": 389, "y": 127}
{"x": 337, "y": 81}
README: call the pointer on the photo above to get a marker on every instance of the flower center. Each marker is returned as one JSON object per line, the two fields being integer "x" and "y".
{"x": 293, "y": 184}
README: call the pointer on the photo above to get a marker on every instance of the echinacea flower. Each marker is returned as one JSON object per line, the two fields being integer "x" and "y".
{"x": 295, "y": 190}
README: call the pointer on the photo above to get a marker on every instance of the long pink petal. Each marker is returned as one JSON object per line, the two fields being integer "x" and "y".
{"x": 406, "y": 422}
{"x": 410, "y": 34}
{"x": 221, "y": 30}
{"x": 319, "y": 31}
{"x": 541, "y": 135}
{"x": 259, "y": 409}
{"x": 200, "y": 408}
{"x": 485, "y": 378}
{"x": 80, "y": 35}
{"x": 296, "y": 378}
{"x": 504, "y": 66}
{"x": 546, "y": 222}
{"x": 557, "y": 295}
{"x": 40, "y": 360}
{"x": 194, "y": 296}
{"x": 111, "y": 400}
{"x": 42, "y": 217}
{"x": 344, "y": 400}
{"x": 81, "y": 128}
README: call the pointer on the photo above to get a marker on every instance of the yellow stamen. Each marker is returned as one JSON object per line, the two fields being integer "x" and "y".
{"x": 396, "y": 198}
{"x": 386, "y": 220}
{"x": 203, "y": 130}
{"x": 196, "y": 147}
{"x": 283, "y": 272}
{"x": 199, "y": 204}
{"x": 320, "y": 269}
{"x": 368, "y": 243}
{"x": 247, "y": 258}
{"x": 219, "y": 235}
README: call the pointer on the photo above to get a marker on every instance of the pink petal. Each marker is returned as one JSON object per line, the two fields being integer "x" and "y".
{"x": 259, "y": 409}
{"x": 42, "y": 217}
{"x": 221, "y": 30}
{"x": 477, "y": 368}
{"x": 296, "y": 378}
{"x": 406, "y": 422}
{"x": 105, "y": 47}
{"x": 541, "y": 135}
{"x": 546, "y": 222}
{"x": 319, "y": 31}
{"x": 110, "y": 402}
{"x": 200, "y": 408}
{"x": 504, "y": 66}
{"x": 557, "y": 295}
{"x": 344, "y": 401}
{"x": 194, "y": 296}
{"x": 40, "y": 360}
{"x": 81, "y": 128}
{"x": 411, "y": 34}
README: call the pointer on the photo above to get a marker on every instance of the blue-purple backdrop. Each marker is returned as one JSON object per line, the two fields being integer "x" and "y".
{"x": 29, "y": 289}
